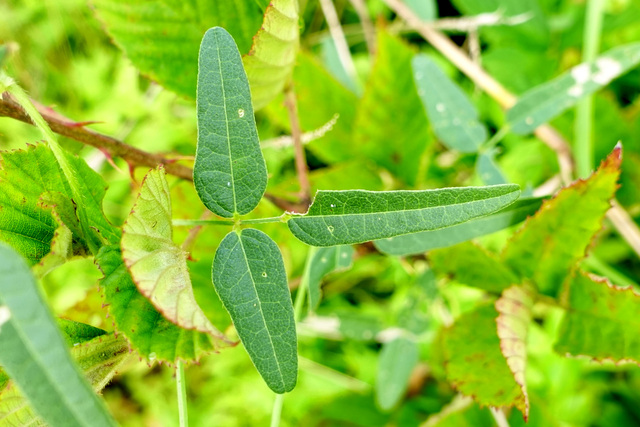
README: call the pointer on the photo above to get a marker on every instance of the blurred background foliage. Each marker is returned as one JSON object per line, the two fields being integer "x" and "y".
{"x": 65, "y": 60}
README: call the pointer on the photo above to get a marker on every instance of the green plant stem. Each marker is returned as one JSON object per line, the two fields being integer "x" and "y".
{"x": 194, "y": 222}
{"x": 604, "y": 269}
{"x": 181, "y": 385}
{"x": 583, "y": 147}
{"x": 497, "y": 137}
{"x": 277, "y": 410}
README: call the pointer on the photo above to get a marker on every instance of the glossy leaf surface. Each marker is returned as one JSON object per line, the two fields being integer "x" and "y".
{"x": 229, "y": 174}
{"x": 161, "y": 38}
{"x": 39, "y": 360}
{"x": 157, "y": 265}
{"x": 416, "y": 243}
{"x": 549, "y": 244}
{"x": 249, "y": 276}
{"x": 453, "y": 118}
{"x": 356, "y": 216}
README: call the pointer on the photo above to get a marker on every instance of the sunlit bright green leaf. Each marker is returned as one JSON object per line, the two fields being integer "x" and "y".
{"x": 161, "y": 38}
{"x": 544, "y": 102}
{"x": 601, "y": 320}
{"x": 474, "y": 266}
{"x": 474, "y": 364}
{"x": 550, "y": 244}
{"x": 326, "y": 260}
{"x": 416, "y": 243}
{"x": 356, "y": 216}
{"x": 515, "y": 307}
{"x": 395, "y": 364}
{"x": 230, "y": 174}
{"x": 249, "y": 276}
{"x": 35, "y": 355}
{"x": 157, "y": 265}
{"x": 270, "y": 61}
{"x": 150, "y": 334}
{"x": 453, "y": 118}
{"x": 391, "y": 127}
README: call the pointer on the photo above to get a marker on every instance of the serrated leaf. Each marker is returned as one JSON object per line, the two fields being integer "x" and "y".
{"x": 230, "y": 174}
{"x": 357, "y": 216}
{"x": 269, "y": 63}
{"x": 161, "y": 37}
{"x": 98, "y": 358}
{"x": 551, "y": 243}
{"x": 474, "y": 362}
{"x": 157, "y": 265}
{"x": 601, "y": 320}
{"x": 544, "y": 102}
{"x": 32, "y": 184}
{"x": 34, "y": 353}
{"x": 453, "y": 118}
{"x": 395, "y": 364}
{"x": 390, "y": 126}
{"x": 249, "y": 276}
{"x": 515, "y": 307}
{"x": 326, "y": 260}
{"x": 149, "y": 333}
{"x": 474, "y": 266}
{"x": 417, "y": 243}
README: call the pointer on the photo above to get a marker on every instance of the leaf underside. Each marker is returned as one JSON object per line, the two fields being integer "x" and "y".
{"x": 230, "y": 174}
{"x": 357, "y": 216}
{"x": 249, "y": 276}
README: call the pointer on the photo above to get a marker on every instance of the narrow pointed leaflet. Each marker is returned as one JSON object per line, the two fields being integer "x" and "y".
{"x": 157, "y": 265}
{"x": 39, "y": 361}
{"x": 357, "y": 216}
{"x": 230, "y": 174}
{"x": 249, "y": 276}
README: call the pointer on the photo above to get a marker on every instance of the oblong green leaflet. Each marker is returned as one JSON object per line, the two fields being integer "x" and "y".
{"x": 35, "y": 355}
{"x": 452, "y": 115}
{"x": 546, "y": 101}
{"x": 357, "y": 216}
{"x": 416, "y": 243}
{"x": 230, "y": 174}
{"x": 396, "y": 362}
{"x": 249, "y": 276}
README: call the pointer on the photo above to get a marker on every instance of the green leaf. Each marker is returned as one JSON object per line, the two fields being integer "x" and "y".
{"x": 552, "y": 242}
{"x": 326, "y": 260}
{"x": 396, "y": 362}
{"x": 157, "y": 265}
{"x": 461, "y": 412}
{"x": 427, "y": 10}
{"x": 161, "y": 37}
{"x": 601, "y": 320}
{"x": 32, "y": 185}
{"x": 229, "y": 174}
{"x": 357, "y": 216}
{"x": 99, "y": 359}
{"x": 453, "y": 117}
{"x": 488, "y": 170}
{"x": 417, "y": 243}
{"x": 34, "y": 353}
{"x": 474, "y": 364}
{"x": 474, "y": 266}
{"x": 249, "y": 276}
{"x": 515, "y": 307}
{"x": 269, "y": 63}
{"x": 391, "y": 127}
{"x": 149, "y": 333}
{"x": 544, "y": 102}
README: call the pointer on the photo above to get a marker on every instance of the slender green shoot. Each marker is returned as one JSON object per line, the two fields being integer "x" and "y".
{"x": 495, "y": 139}
{"x": 193, "y": 222}
{"x": 181, "y": 386}
{"x": 583, "y": 148}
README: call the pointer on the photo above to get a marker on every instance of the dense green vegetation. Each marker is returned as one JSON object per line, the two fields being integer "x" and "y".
{"x": 317, "y": 212}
